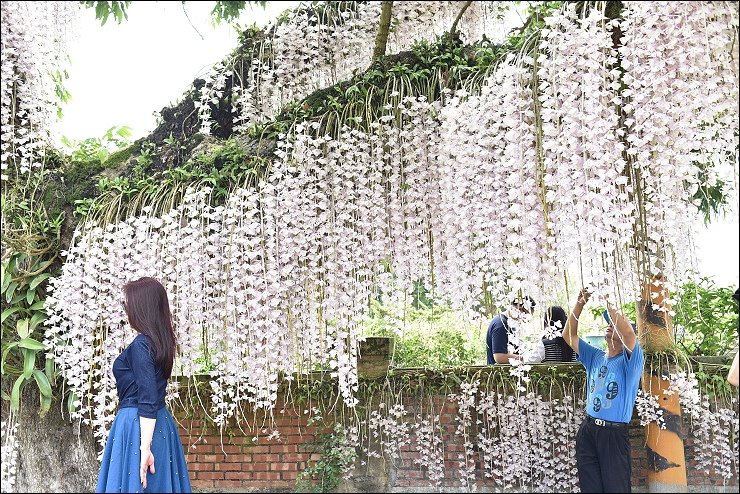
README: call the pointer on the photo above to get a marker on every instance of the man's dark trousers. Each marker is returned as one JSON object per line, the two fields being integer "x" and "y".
{"x": 603, "y": 455}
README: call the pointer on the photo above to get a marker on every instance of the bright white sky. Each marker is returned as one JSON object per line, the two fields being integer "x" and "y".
{"x": 121, "y": 74}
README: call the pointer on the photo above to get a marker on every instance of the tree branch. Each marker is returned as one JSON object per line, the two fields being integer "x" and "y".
{"x": 191, "y": 22}
{"x": 459, "y": 15}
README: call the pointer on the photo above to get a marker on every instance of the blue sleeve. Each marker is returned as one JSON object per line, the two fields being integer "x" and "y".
{"x": 636, "y": 359}
{"x": 586, "y": 353}
{"x": 145, "y": 374}
{"x": 499, "y": 337}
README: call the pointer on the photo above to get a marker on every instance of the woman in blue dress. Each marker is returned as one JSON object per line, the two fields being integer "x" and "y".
{"x": 143, "y": 452}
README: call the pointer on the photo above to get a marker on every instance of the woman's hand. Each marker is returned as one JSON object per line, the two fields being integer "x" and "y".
{"x": 147, "y": 461}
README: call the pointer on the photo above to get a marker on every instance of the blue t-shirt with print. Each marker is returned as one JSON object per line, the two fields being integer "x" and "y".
{"x": 612, "y": 381}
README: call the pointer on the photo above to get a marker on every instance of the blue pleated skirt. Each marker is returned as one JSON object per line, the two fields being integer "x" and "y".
{"x": 119, "y": 470}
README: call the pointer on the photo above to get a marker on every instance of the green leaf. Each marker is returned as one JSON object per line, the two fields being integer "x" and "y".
{"x": 31, "y": 344}
{"x": 22, "y": 327}
{"x": 38, "y": 305}
{"x": 101, "y": 12}
{"x": 37, "y": 280}
{"x": 37, "y": 319}
{"x": 50, "y": 369}
{"x": 71, "y": 398}
{"x": 45, "y": 404}
{"x": 8, "y": 312}
{"x": 7, "y": 278}
{"x": 5, "y": 355}
{"x": 30, "y": 295}
{"x": 29, "y": 362}
{"x": 43, "y": 382}
{"x": 15, "y": 393}
{"x": 10, "y": 291}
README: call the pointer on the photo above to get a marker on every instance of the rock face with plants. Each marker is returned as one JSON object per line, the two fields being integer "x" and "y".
{"x": 298, "y": 182}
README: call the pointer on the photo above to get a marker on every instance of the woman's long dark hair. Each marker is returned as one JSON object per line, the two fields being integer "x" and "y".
{"x": 555, "y": 314}
{"x": 148, "y": 311}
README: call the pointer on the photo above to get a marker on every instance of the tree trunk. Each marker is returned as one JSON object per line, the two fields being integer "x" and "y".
{"x": 381, "y": 39}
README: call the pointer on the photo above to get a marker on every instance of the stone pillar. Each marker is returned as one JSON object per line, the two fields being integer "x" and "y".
{"x": 375, "y": 356}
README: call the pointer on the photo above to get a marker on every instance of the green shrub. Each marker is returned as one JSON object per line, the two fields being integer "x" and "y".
{"x": 706, "y": 319}
{"x": 433, "y": 337}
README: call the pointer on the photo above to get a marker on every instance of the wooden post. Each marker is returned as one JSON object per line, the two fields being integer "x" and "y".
{"x": 665, "y": 450}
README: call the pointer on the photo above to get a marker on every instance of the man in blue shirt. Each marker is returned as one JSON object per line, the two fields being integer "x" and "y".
{"x": 498, "y": 347}
{"x": 603, "y": 452}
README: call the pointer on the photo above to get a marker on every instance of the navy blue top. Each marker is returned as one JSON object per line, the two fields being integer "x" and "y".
{"x": 140, "y": 384}
{"x": 612, "y": 381}
{"x": 497, "y": 338}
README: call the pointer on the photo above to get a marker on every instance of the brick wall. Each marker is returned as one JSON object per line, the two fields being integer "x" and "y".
{"x": 265, "y": 464}
{"x": 246, "y": 458}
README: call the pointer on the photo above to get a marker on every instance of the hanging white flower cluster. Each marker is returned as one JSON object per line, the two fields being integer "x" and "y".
{"x": 212, "y": 262}
{"x": 321, "y": 45}
{"x": 214, "y": 84}
{"x": 465, "y": 407}
{"x": 589, "y": 214}
{"x": 9, "y": 442}
{"x": 648, "y": 409}
{"x": 429, "y": 446}
{"x": 490, "y": 228}
{"x": 520, "y": 440}
{"x": 34, "y": 36}
{"x": 714, "y": 429}
{"x": 391, "y": 430}
{"x": 450, "y": 193}
{"x": 679, "y": 106}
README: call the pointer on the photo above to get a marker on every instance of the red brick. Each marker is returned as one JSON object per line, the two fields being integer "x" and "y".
{"x": 201, "y": 448}
{"x": 289, "y": 475}
{"x": 292, "y": 431}
{"x": 284, "y": 448}
{"x": 255, "y": 467}
{"x": 213, "y": 458}
{"x": 210, "y": 475}
{"x": 283, "y": 466}
{"x": 270, "y": 458}
{"x": 195, "y": 467}
{"x": 297, "y": 457}
{"x": 239, "y": 475}
{"x": 297, "y": 439}
{"x": 267, "y": 475}
{"x": 238, "y": 458}
{"x": 255, "y": 449}
{"x": 220, "y": 467}
{"x": 231, "y": 449}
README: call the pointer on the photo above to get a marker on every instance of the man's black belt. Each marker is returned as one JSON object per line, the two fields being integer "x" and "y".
{"x": 606, "y": 423}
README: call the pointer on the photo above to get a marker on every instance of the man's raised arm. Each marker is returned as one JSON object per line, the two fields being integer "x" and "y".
{"x": 570, "y": 332}
{"x": 623, "y": 328}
